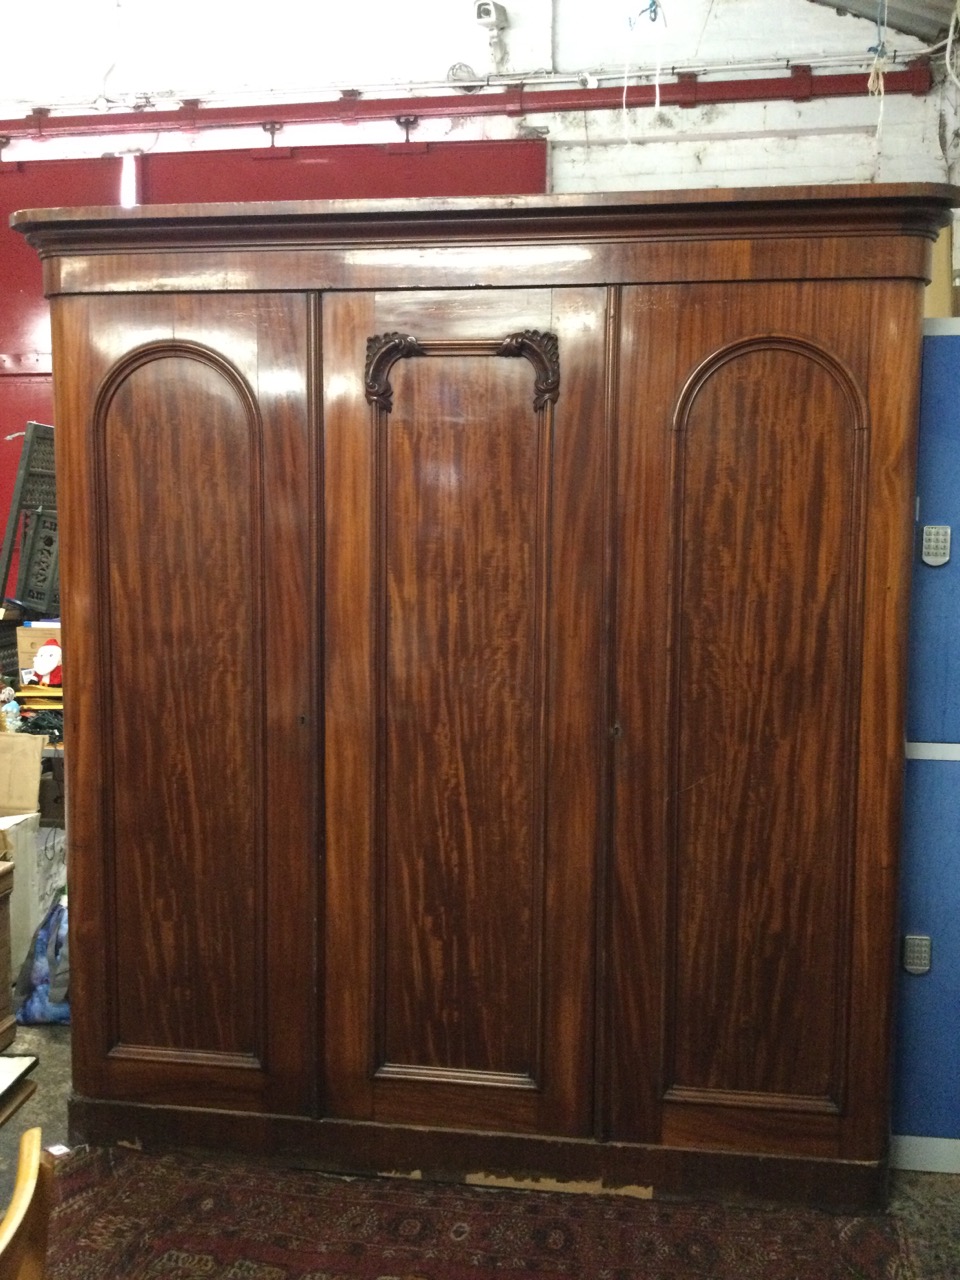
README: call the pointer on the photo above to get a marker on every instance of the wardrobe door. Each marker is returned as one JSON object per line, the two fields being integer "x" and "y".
{"x": 763, "y": 519}
{"x": 465, "y": 458}
{"x": 184, "y": 471}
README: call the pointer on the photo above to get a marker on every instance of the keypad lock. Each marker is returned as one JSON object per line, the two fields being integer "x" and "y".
{"x": 916, "y": 953}
{"x": 936, "y": 544}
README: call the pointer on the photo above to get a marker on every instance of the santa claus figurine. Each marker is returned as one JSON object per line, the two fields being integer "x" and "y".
{"x": 48, "y": 663}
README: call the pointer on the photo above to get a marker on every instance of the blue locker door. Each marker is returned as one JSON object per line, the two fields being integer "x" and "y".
{"x": 927, "y": 1076}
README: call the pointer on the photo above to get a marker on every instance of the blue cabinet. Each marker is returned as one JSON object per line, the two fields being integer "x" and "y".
{"x": 926, "y": 1107}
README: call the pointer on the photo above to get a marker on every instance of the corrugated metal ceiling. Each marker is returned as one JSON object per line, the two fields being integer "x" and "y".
{"x": 927, "y": 19}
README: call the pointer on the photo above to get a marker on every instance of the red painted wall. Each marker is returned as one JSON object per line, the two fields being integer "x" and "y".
{"x": 321, "y": 173}
{"x": 304, "y": 173}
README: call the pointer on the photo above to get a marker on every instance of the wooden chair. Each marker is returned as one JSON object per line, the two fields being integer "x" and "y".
{"x": 23, "y": 1230}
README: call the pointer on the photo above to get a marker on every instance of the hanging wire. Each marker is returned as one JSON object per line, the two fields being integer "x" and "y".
{"x": 951, "y": 38}
{"x": 879, "y": 51}
{"x": 656, "y": 78}
{"x": 880, "y": 57}
{"x": 653, "y": 11}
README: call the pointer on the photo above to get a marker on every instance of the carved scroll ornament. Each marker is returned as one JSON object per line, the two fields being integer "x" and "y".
{"x": 385, "y": 349}
{"x": 543, "y": 352}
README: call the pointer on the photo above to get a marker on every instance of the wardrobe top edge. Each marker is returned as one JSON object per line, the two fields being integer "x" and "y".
{"x": 935, "y": 199}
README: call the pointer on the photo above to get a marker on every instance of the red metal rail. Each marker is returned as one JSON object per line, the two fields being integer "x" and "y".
{"x": 686, "y": 90}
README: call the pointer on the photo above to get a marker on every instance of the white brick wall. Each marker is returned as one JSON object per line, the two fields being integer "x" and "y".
{"x": 832, "y": 140}
{"x": 598, "y": 33}
{"x": 243, "y": 52}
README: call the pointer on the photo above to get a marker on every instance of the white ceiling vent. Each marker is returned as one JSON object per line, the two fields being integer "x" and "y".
{"x": 926, "y": 19}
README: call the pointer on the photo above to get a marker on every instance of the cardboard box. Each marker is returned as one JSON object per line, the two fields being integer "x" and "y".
{"x": 21, "y": 756}
{"x": 29, "y": 640}
{"x": 20, "y": 763}
{"x": 18, "y": 834}
{"x": 39, "y": 875}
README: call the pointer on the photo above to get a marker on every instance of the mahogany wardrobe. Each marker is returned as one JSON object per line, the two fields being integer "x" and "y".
{"x": 485, "y": 629}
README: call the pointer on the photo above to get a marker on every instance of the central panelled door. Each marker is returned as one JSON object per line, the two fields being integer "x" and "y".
{"x": 465, "y": 463}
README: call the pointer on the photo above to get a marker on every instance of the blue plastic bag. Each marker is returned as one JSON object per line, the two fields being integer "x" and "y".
{"x": 43, "y": 987}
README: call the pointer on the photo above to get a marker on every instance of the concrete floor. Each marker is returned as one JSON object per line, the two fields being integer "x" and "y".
{"x": 48, "y": 1106}
{"x": 927, "y": 1205}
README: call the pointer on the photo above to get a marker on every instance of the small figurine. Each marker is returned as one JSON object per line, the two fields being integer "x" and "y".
{"x": 48, "y": 663}
{"x": 10, "y": 708}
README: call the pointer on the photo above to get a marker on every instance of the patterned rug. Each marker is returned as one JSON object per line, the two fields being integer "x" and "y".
{"x": 123, "y": 1213}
